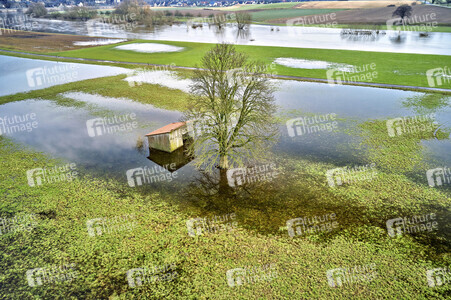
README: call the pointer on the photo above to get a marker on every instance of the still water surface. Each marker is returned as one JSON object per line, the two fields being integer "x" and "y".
{"x": 63, "y": 131}
{"x": 22, "y": 74}
{"x": 263, "y": 35}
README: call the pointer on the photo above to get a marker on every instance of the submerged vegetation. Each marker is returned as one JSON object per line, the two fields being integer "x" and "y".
{"x": 339, "y": 210}
{"x": 159, "y": 235}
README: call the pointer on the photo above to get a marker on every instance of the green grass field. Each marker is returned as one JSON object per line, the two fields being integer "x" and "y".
{"x": 392, "y": 68}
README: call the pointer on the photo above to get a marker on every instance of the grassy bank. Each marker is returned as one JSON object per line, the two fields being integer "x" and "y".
{"x": 115, "y": 86}
{"x": 391, "y": 68}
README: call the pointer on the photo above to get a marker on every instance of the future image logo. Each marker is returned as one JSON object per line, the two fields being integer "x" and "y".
{"x": 38, "y": 176}
{"x": 18, "y": 223}
{"x": 22, "y": 22}
{"x": 236, "y": 176}
{"x": 334, "y": 76}
{"x": 394, "y": 24}
{"x": 438, "y": 277}
{"x": 394, "y": 127}
{"x": 100, "y": 226}
{"x": 240, "y": 176}
{"x": 339, "y": 176}
{"x": 308, "y": 23}
{"x": 438, "y": 176}
{"x": 251, "y": 274}
{"x": 236, "y": 277}
{"x": 146, "y": 175}
{"x": 18, "y": 123}
{"x": 361, "y": 273}
{"x": 95, "y": 226}
{"x": 235, "y": 77}
{"x": 310, "y": 225}
{"x": 438, "y": 76}
{"x": 411, "y": 225}
{"x": 363, "y": 73}
{"x": 61, "y": 73}
{"x": 215, "y": 224}
{"x": 314, "y": 124}
{"x": 411, "y": 125}
{"x": 35, "y": 77}
{"x": 114, "y": 24}
{"x": 421, "y": 23}
{"x": 334, "y": 277}
{"x": 111, "y": 125}
{"x": 138, "y": 277}
{"x": 135, "y": 177}
{"x": 135, "y": 277}
{"x": 51, "y": 275}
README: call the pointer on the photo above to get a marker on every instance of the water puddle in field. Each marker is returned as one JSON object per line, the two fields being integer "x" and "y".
{"x": 311, "y": 64}
{"x": 164, "y": 78}
{"x": 149, "y": 48}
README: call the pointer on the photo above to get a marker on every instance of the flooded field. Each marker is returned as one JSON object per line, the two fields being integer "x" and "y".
{"x": 220, "y": 181}
{"x": 262, "y": 35}
{"x": 114, "y": 154}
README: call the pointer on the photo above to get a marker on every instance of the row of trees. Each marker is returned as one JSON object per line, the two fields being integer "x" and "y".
{"x": 136, "y": 11}
{"x": 38, "y": 10}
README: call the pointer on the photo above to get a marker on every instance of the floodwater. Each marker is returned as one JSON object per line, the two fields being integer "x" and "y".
{"x": 22, "y": 74}
{"x": 261, "y": 35}
{"x": 63, "y": 129}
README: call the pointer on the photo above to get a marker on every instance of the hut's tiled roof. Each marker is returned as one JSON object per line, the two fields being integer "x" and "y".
{"x": 166, "y": 129}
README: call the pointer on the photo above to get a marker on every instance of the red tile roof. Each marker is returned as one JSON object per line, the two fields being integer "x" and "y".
{"x": 168, "y": 128}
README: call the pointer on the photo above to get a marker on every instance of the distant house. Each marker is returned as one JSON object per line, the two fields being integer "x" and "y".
{"x": 168, "y": 138}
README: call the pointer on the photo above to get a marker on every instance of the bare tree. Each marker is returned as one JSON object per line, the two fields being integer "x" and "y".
{"x": 242, "y": 19}
{"x": 403, "y": 11}
{"x": 233, "y": 102}
{"x": 219, "y": 20}
{"x": 37, "y": 9}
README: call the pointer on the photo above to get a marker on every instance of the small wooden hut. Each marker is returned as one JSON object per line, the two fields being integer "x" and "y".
{"x": 168, "y": 138}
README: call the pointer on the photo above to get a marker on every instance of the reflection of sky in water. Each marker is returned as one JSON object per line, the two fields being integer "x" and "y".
{"x": 22, "y": 74}
{"x": 62, "y": 131}
{"x": 353, "y": 104}
{"x": 124, "y": 105}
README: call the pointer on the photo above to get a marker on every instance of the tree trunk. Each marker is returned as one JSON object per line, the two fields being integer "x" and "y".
{"x": 224, "y": 188}
{"x": 223, "y": 162}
